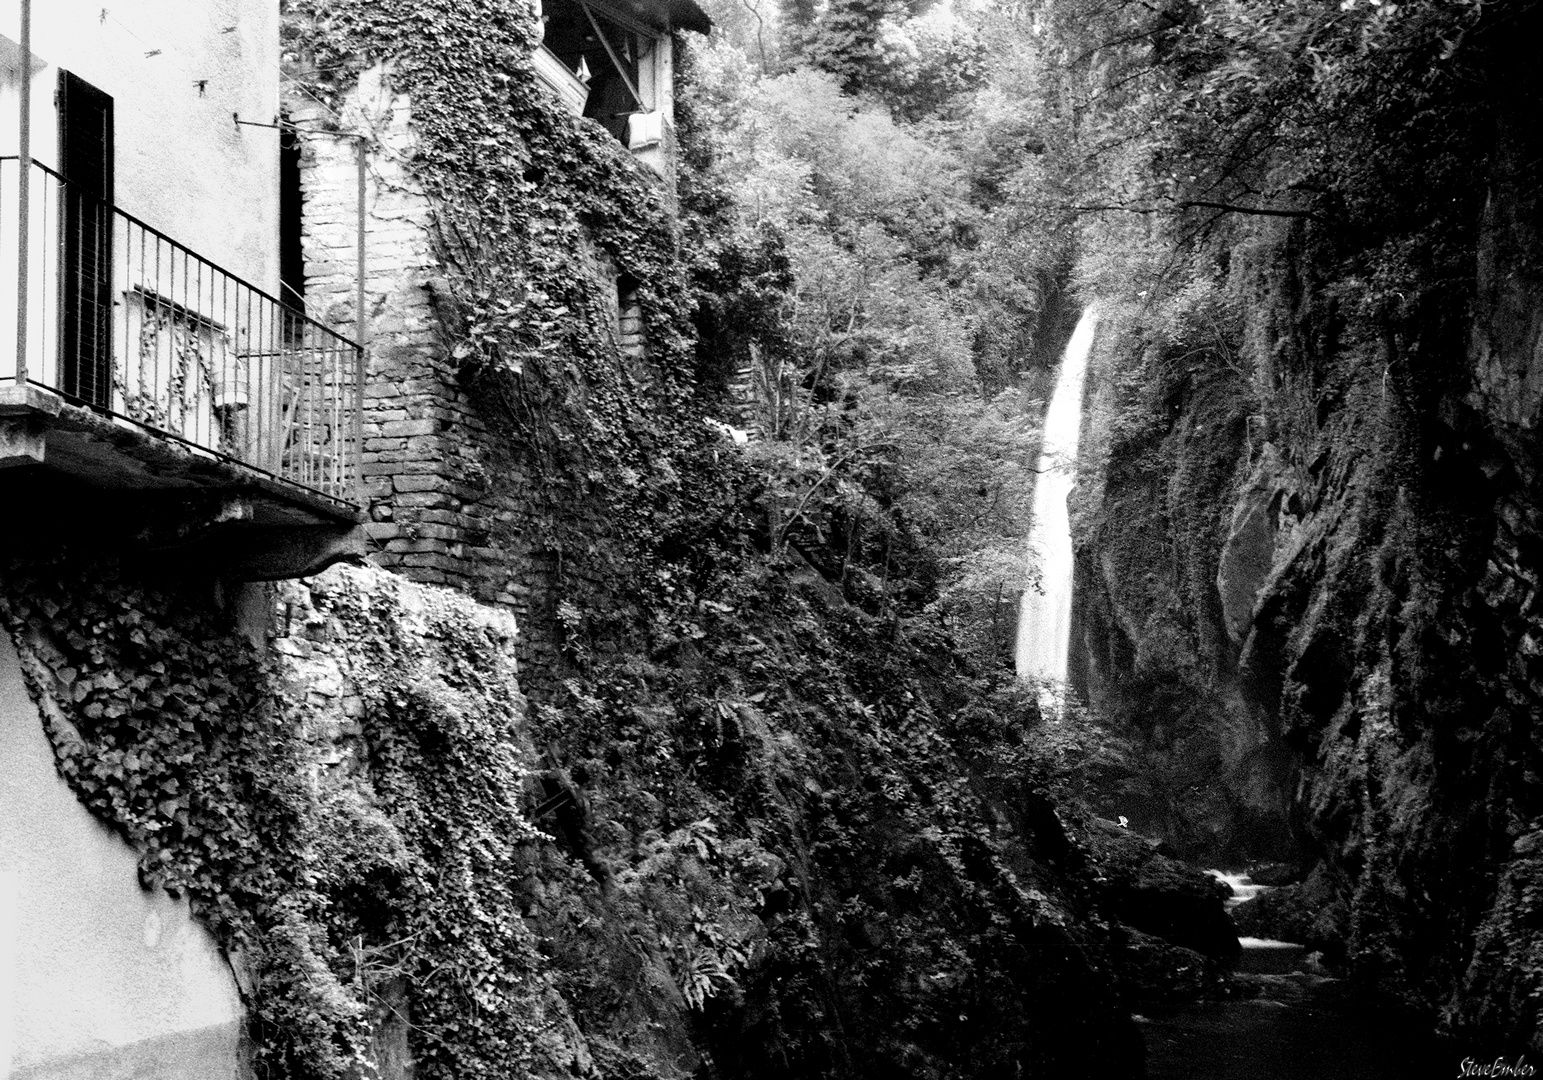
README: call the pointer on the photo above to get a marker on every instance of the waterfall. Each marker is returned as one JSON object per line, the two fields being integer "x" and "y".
{"x": 1045, "y": 615}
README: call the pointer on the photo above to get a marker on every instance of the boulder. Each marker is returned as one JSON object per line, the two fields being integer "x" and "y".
{"x": 1274, "y": 874}
{"x": 1150, "y": 892}
{"x": 1310, "y": 912}
{"x": 1153, "y": 970}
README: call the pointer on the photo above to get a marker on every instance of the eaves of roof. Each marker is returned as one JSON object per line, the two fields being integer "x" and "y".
{"x": 676, "y": 14}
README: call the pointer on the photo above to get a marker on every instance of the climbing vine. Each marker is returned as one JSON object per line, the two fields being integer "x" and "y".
{"x": 530, "y": 203}
{"x": 346, "y": 896}
{"x": 165, "y": 723}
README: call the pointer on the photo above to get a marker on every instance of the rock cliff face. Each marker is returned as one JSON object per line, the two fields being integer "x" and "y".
{"x": 1309, "y": 583}
{"x": 1179, "y": 525}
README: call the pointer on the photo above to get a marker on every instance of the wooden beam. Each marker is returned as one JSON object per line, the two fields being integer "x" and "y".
{"x": 615, "y": 60}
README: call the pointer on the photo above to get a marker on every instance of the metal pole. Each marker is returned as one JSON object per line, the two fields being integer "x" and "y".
{"x": 359, "y": 284}
{"x": 23, "y": 191}
{"x": 361, "y": 331}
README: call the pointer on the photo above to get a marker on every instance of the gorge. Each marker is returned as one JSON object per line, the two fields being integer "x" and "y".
{"x": 847, "y": 511}
{"x": 1290, "y": 1011}
{"x": 1305, "y": 563}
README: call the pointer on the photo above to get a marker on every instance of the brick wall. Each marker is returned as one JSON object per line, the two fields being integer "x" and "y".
{"x": 449, "y": 504}
{"x": 449, "y": 501}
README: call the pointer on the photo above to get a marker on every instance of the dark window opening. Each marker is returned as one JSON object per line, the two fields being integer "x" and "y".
{"x": 85, "y": 223}
{"x": 291, "y": 208}
{"x": 626, "y": 289}
{"x": 613, "y": 72}
{"x": 629, "y": 316}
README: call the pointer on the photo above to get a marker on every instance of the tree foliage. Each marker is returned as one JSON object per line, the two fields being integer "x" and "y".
{"x": 894, "y": 445}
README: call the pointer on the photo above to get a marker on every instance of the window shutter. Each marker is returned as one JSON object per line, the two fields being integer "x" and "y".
{"x": 85, "y": 219}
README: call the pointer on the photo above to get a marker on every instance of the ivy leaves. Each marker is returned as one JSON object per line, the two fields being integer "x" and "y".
{"x": 164, "y": 722}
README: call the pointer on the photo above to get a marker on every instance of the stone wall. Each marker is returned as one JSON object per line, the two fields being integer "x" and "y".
{"x": 350, "y": 641}
{"x": 454, "y": 498}
{"x": 448, "y": 501}
{"x": 328, "y": 672}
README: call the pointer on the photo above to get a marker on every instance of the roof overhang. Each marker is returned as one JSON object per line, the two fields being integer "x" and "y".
{"x": 686, "y": 15}
{"x": 671, "y": 14}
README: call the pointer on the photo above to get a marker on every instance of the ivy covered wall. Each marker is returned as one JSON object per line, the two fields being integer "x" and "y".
{"x": 747, "y": 828}
{"x": 347, "y": 817}
{"x": 118, "y": 980}
{"x": 768, "y": 849}
{"x": 514, "y": 448}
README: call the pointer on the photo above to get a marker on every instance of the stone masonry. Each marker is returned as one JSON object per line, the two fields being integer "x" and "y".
{"x": 447, "y": 503}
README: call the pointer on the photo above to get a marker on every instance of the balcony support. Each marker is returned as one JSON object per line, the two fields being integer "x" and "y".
{"x": 90, "y": 479}
{"x": 22, "y": 442}
{"x": 275, "y": 554}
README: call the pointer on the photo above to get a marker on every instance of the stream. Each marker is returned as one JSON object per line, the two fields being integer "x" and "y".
{"x": 1300, "y": 1025}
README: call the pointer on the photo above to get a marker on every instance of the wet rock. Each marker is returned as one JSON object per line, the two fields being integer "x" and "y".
{"x": 1153, "y": 970}
{"x": 1310, "y": 912}
{"x": 1274, "y": 874}
{"x": 1157, "y": 895}
{"x": 1248, "y": 554}
{"x": 1500, "y": 985}
{"x": 1173, "y": 550}
{"x": 1394, "y": 653}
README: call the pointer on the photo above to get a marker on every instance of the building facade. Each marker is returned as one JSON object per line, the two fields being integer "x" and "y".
{"x": 158, "y": 400}
{"x": 232, "y": 351}
{"x": 140, "y": 246}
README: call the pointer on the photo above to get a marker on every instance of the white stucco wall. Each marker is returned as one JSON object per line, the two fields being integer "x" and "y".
{"x": 183, "y": 165}
{"x": 99, "y": 978}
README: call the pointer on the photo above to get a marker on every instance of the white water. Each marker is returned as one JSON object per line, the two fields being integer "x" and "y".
{"x": 1242, "y": 886}
{"x": 1045, "y": 615}
{"x": 1244, "y": 890}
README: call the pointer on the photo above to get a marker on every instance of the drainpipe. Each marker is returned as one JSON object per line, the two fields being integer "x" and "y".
{"x": 361, "y": 146}
{"x": 23, "y": 192}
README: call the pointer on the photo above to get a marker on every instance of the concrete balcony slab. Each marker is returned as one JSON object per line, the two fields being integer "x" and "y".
{"x": 73, "y": 470}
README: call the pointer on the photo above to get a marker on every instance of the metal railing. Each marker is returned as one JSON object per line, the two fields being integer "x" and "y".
{"x": 124, "y": 319}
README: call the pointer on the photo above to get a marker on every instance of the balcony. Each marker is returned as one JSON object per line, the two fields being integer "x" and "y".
{"x": 147, "y": 370}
